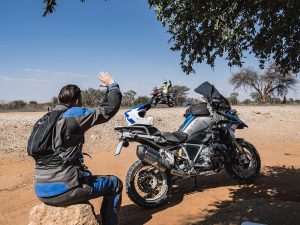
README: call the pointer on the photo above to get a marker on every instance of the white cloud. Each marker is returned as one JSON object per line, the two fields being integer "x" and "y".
{"x": 39, "y": 73}
{"x": 11, "y": 78}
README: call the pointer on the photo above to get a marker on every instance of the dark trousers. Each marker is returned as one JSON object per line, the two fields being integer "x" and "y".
{"x": 110, "y": 187}
{"x": 166, "y": 97}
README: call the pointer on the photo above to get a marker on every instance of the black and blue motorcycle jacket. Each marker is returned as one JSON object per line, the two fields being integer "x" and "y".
{"x": 64, "y": 171}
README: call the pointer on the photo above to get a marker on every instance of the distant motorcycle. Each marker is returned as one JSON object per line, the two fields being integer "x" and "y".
{"x": 158, "y": 98}
{"x": 205, "y": 144}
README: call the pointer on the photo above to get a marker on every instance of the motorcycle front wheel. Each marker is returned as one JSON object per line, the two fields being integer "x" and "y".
{"x": 153, "y": 102}
{"x": 146, "y": 186}
{"x": 245, "y": 168}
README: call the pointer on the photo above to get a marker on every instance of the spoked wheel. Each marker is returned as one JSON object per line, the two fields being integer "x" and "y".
{"x": 246, "y": 167}
{"x": 147, "y": 186}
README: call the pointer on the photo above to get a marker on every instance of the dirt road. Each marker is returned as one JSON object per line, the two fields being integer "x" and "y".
{"x": 273, "y": 199}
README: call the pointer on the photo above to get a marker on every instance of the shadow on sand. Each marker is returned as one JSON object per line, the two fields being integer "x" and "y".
{"x": 139, "y": 216}
{"x": 273, "y": 199}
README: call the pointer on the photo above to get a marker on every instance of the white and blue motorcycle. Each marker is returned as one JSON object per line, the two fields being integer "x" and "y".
{"x": 204, "y": 145}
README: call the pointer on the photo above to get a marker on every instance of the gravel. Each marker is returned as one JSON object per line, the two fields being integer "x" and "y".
{"x": 15, "y": 127}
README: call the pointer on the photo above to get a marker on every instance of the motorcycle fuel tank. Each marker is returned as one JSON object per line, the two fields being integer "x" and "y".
{"x": 194, "y": 126}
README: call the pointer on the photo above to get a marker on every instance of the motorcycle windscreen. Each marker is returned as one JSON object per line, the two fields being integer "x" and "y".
{"x": 210, "y": 92}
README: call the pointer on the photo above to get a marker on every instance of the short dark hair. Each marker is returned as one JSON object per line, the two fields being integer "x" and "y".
{"x": 69, "y": 94}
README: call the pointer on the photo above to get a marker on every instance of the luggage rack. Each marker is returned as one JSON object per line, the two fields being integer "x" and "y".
{"x": 129, "y": 133}
{"x": 133, "y": 127}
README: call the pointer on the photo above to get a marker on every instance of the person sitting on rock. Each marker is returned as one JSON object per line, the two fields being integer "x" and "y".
{"x": 61, "y": 178}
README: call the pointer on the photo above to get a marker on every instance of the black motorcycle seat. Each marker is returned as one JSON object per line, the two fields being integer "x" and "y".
{"x": 175, "y": 137}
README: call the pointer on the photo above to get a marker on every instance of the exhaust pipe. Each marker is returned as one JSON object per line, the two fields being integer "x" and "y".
{"x": 179, "y": 173}
{"x": 152, "y": 157}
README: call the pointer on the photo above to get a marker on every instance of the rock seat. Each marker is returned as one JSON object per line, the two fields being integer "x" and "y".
{"x": 79, "y": 214}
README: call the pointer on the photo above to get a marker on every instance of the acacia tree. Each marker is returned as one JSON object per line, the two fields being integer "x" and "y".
{"x": 92, "y": 97}
{"x": 17, "y": 104}
{"x": 204, "y": 30}
{"x": 271, "y": 82}
{"x": 255, "y": 96}
{"x": 233, "y": 98}
{"x": 129, "y": 98}
{"x": 141, "y": 100}
{"x": 180, "y": 93}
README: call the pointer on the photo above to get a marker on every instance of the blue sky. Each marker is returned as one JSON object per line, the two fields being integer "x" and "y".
{"x": 40, "y": 55}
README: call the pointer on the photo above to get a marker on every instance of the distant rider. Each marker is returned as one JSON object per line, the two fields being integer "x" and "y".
{"x": 165, "y": 90}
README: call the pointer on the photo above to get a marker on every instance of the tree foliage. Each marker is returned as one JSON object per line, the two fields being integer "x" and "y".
{"x": 92, "y": 97}
{"x": 205, "y": 30}
{"x": 180, "y": 90}
{"x": 50, "y": 6}
{"x": 233, "y": 98}
{"x": 272, "y": 82}
{"x": 255, "y": 96}
{"x": 246, "y": 101}
{"x": 141, "y": 100}
{"x": 17, "y": 104}
{"x": 180, "y": 93}
{"x": 128, "y": 98}
{"x": 54, "y": 100}
{"x": 193, "y": 100}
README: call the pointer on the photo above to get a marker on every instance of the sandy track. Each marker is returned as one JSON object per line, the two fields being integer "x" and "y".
{"x": 273, "y": 199}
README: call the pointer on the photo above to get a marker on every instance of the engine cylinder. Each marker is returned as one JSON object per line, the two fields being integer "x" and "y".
{"x": 152, "y": 157}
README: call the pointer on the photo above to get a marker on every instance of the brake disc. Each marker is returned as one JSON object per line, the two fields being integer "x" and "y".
{"x": 147, "y": 181}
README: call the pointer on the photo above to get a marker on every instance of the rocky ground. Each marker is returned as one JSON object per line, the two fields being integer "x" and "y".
{"x": 273, "y": 199}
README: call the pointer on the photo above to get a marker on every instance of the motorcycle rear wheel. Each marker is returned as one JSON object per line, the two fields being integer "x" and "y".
{"x": 146, "y": 186}
{"x": 245, "y": 173}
